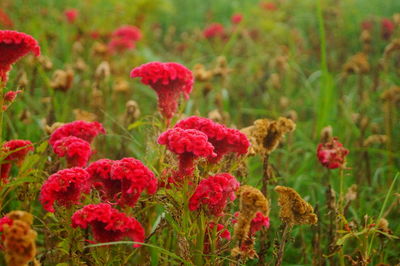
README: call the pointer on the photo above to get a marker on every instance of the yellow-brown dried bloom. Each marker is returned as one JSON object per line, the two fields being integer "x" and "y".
{"x": 132, "y": 112}
{"x": 121, "y": 86}
{"x": 357, "y": 64}
{"x": 21, "y": 215}
{"x": 221, "y": 69}
{"x": 392, "y": 47}
{"x": 84, "y": 115}
{"x": 294, "y": 210}
{"x": 375, "y": 139}
{"x": 62, "y": 80}
{"x": 103, "y": 71}
{"x": 201, "y": 74}
{"x": 50, "y": 129}
{"x": 265, "y": 135}
{"x": 391, "y": 95}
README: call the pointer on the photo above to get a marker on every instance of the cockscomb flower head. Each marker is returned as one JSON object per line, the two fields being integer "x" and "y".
{"x": 214, "y": 192}
{"x": 236, "y": 18}
{"x": 124, "y": 38}
{"x": 214, "y": 30}
{"x": 188, "y": 144}
{"x": 80, "y": 129}
{"x": 169, "y": 80}
{"x": 122, "y": 181}
{"x": 66, "y": 187}
{"x": 224, "y": 140}
{"x": 71, "y": 15}
{"x": 332, "y": 154}
{"x": 387, "y": 28}
{"x": 10, "y": 96}
{"x": 76, "y": 151}
{"x": 108, "y": 224}
{"x": 16, "y": 151}
{"x": 13, "y": 46}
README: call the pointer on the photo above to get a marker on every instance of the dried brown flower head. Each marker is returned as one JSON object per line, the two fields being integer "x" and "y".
{"x": 132, "y": 112}
{"x": 265, "y": 135}
{"x": 84, "y": 115}
{"x": 391, "y": 95}
{"x": 375, "y": 139}
{"x": 121, "y": 86}
{"x": 326, "y": 134}
{"x": 21, "y": 215}
{"x": 274, "y": 81}
{"x": 103, "y": 71}
{"x": 392, "y": 47}
{"x": 80, "y": 64}
{"x": 62, "y": 80}
{"x": 357, "y": 64}
{"x": 294, "y": 210}
{"x": 221, "y": 69}
{"x": 45, "y": 62}
{"x": 201, "y": 74}
{"x": 50, "y": 129}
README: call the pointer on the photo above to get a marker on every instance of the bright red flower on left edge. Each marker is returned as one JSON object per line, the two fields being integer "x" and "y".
{"x": 13, "y": 46}
{"x": 16, "y": 151}
{"x": 65, "y": 188}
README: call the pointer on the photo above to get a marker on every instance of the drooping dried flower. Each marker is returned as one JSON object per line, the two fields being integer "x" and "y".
{"x": 66, "y": 187}
{"x": 13, "y": 46}
{"x": 188, "y": 144}
{"x": 225, "y": 140}
{"x": 169, "y": 80}
{"x": 332, "y": 154}
{"x": 108, "y": 224}
{"x": 62, "y": 80}
{"x": 214, "y": 30}
{"x": 294, "y": 210}
{"x": 132, "y": 112}
{"x": 81, "y": 129}
{"x": 214, "y": 192}
{"x": 76, "y": 151}
{"x": 357, "y": 64}
{"x": 265, "y": 135}
{"x": 15, "y": 151}
{"x": 122, "y": 181}
{"x": 71, "y": 15}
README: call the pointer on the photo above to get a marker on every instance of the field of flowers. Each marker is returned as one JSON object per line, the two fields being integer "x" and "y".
{"x": 199, "y": 132}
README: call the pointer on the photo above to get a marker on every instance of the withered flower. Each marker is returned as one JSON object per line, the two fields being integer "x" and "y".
{"x": 391, "y": 95}
{"x": 132, "y": 112}
{"x": 357, "y": 64}
{"x": 84, "y": 115}
{"x": 294, "y": 210}
{"x": 375, "y": 139}
{"x": 62, "y": 80}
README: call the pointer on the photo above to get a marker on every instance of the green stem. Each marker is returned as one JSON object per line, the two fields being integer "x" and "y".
{"x": 341, "y": 212}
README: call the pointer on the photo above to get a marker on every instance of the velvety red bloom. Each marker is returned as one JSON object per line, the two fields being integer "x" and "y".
{"x": 387, "y": 28}
{"x": 258, "y": 222}
{"x": 77, "y": 151}
{"x": 214, "y": 192}
{"x": 16, "y": 151}
{"x": 223, "y": 139}
{"x": 221, "y": 233}
{"x": 169, "y": 80}
{"x": 71, "y": 15}
{"x": 332, "y": 154}
{"x": 236, "y": 18}
{"x": 188, "y": 144}
{"x": 3, "y": 221}
{"x": 122, "y": 181}
{"x": 80, "y": 129}
{"x": 214, "y": 30}
{"x": 66, "y": 187}
{"x": 13, "y": 46}
{"x": 108, "y": 224}
{"x": 124, "y": 38}
{"x": 9, "y": 98}
{"x": 5, "y": 20}
{"x": 270, "y": 6}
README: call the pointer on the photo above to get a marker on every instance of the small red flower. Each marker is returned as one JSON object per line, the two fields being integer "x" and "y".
{"x": 77, "y": 151}
{"x": 5, "y": 20}
{"x": 71, "y": 15}
{"x": 188, "y": 144}
{"x": 66, "y": 187}
{"x": 258, "y": 223}
{"x": 221, "y": 233}
{"x": 214, "y": 192}
{"x": 9, "y": 98}
{"x": 124, "y": 38}
{"x": 80, "y": 129}
{"x": 387, "y": 28}
{"x": 269, "y": 6}
{"x": 169, "y": 80}
{"x": 3, "y": 221}
{"x": 108, "y": 224}
{"x": 223, "y": 139}
{"x": 13, "y": 46}
{"x": 332, "y": 154}
{"x": 214, "y": 30}
{"x": 16, "y": 151}
{"x": 236, "y": 18}
{"x": 122, "y": 181}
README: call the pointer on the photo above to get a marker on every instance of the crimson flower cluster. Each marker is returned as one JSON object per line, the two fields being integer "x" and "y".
{"x": 72, "y": 141}
{"x": 122, "y": 181}
{"x": 16, "y": 151}
{"x": 9, "y": 98}
{"x": 71, "y": 15}
{"x": 332, "y": 154}
{"x": 387, "y": 28}
{"x": 214, "y": 192}
{"x": 124, "y": 38}
{"x": 214, "y": 30}
{"x": 222, "y": 233}
{"x": 66, "y": 187}
{"x": 236, "y": 18}
{"x": 257, "y": 223}
{"x": 108, "y": 224}
{"x": 169, "y": 80}
{"x": 13, "y": 46}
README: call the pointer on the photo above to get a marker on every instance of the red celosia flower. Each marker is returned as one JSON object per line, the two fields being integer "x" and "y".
{"x": 387, "y": 28}
{"x": 71, "y": 15}
{"x": 221, "y": 233}
{"x": 108, "y": 224}
{"x": 189, "y": 144}
{"x": 77, "y": 151}
{"x": 214, "y": 30}
{"x": 16, "y": 151}
{"x": 169, "y": 80}
{"x": 5, "y": 20}
{"x": 214, "y": 192}
{"x": 236, "y": 18}
{"x": 3, "y": 221}
{"x": 258, "y": 223}
{"x": 13, "y": 46}
{"x": 332, "y": 154}
{"x": 9, "y": 98}
{"x": 81, "y": 129}
{"x": 222, "y": 138}
{"x": 64, "y": 187}
{"x": 122, "y": 181}
{"x": 270, "y": 6}
{"x": 124, "y": 38}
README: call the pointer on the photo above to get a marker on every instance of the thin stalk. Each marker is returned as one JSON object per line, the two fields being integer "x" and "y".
{"x": 285, "y": 236}
{"x": 341, "y": 212}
